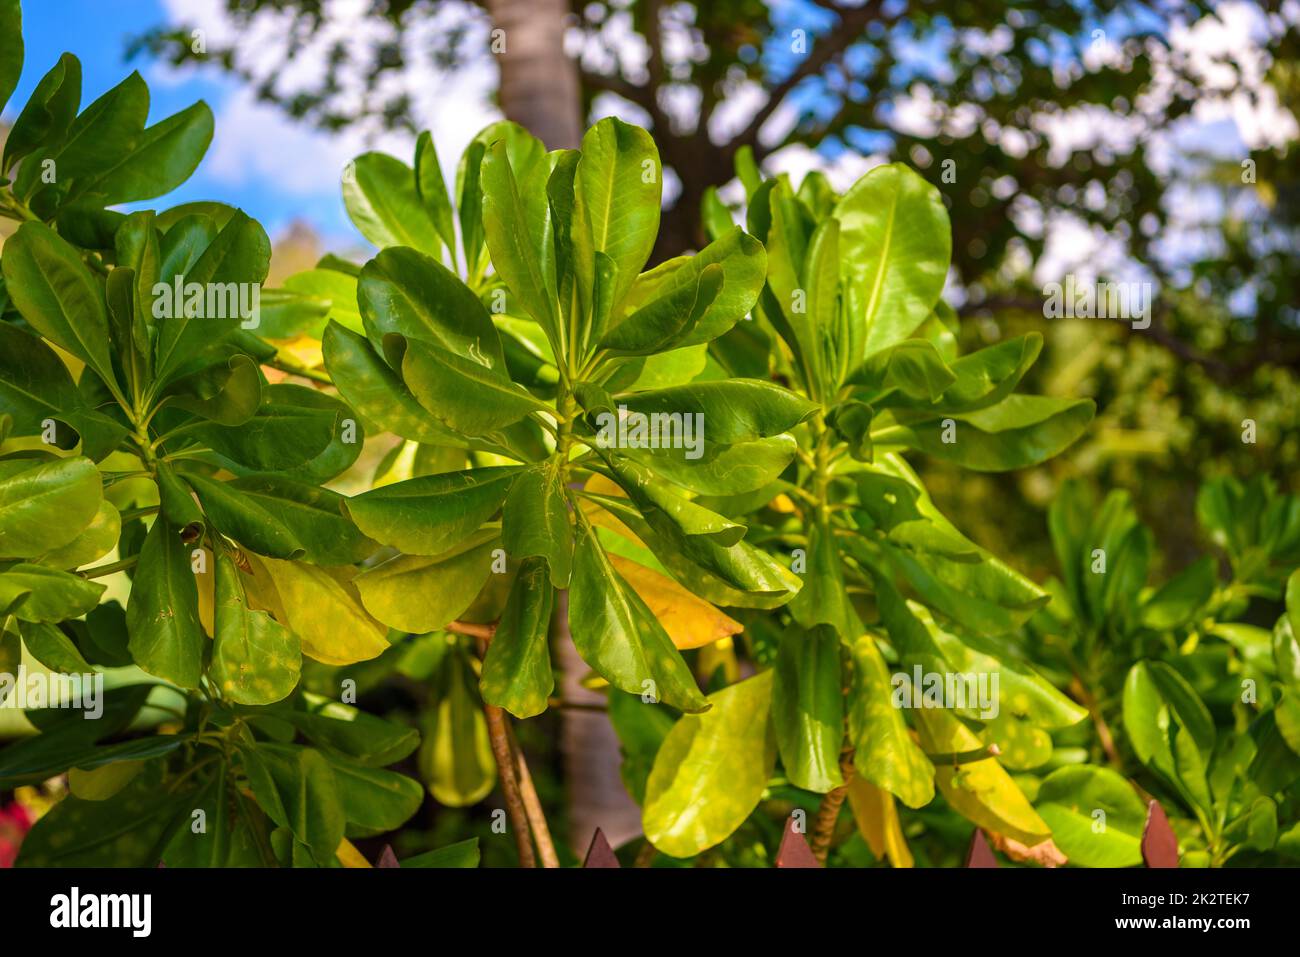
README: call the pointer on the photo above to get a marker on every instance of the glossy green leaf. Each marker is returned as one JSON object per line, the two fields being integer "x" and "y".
{"x": 45, "y": 505}
{"x": 163, "y": 613}
{"x": 462, "y": 394}
{"x": 35, "y": 593}
{"x": 536, "y": 520}
{"x": 895, "y": 245}
{"x": 1020, "y": 431}
{"x": 616, "y": 635}
{"x": 283, "y": 519}
{"x": 296, "y": 787}
{"x": 405, "y": 292}
{"x": 57, "y": 293}
{"x": 1096, "y": 817}
{"x": 432, "y": 513}
{"x": 48, "y": 113}
{"x": 380, "y": 194}
{"x": 517, "y": 670}
{"x": 744, "y": 265}
{"x": 808, "y": 708}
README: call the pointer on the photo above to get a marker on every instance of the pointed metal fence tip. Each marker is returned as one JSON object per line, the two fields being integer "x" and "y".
{"x": 979, "y": 854}
{"x": 600, "y": 854}
{"x": 794, "y": 850}
{"x": 387, "y": 858}
{"x": 1159, "y": 842}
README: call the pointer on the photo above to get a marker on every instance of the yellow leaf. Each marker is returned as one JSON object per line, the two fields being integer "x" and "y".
{"x": 784, "y": 504}
{"x": 877, "y": 817}
{"x": 318, "y": 605}
{"x": 691, "y": 622}
{"x": 349, "y": 856}
{"x": 981, "y": 791}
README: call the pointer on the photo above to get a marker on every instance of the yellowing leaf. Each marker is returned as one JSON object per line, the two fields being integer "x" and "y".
{"x": 711, "y": 769}
{"x": 691, "y": 622}
{"x": 319, "y": 607}
{"x": 981, "y": 791}
{"x": 876, "y": 814}
{"x": 349, "y": 856}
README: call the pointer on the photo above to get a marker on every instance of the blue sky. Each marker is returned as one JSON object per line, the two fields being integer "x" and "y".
{"x": 98, "y": 33}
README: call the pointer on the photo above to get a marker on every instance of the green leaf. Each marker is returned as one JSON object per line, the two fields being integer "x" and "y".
{"x": 744, "y": 265}
{"x": 808, "y": 708}
{"x": 460, "y": 854}
{"x": 884, "y": 752}
{"x": 513, "y": 240}
{"x": 11, "y": 47}
{"x": 385, "y": 205}
{"x": 721, "y": 469}
{"x": 823, "y": 599}
{"x": 283, "y": 519}
{"x": 34, "y": 593}
{"x": 410, "y": 294}
{"x": 463, "y": 395}
{"x": 131, "y": 829}
{"x": 617, "y": 190}
{"x": 536, "y": 521}
{"x": 1070, "y": 800}
{"x": 432, "y": 513}
{"x": 417, "y": 594}
{"x": 711, "y": 770}
{"x": 733, "y": 410}
{"x": 255, "y": 659}
{"x": 298, "y": 433}
{"x": 368, "y": 385}
{"x": 517, "y": 670}
{"x": 1177, "y": 601}
{"x": 456, "y": 757}
{"x": 296, "y": 787}
{"x": 662, "y": 323}
{"x": 239, "y": 253}
{"x": 50, "y": 110}
{"x": 1169, "y": 728}
{"x": 364, "y": 738}
{"x": 163, "y": 614}
{"x": 1020, "y": 431}
{"x": 58, "y": 294}
{"x": 433, "y": 191}
{"x": 616, "y": 635}
{"x": 51, "y": 646}
{"x": 227, "y": 392}
{"x": 35, "y": 386}
{"x": 373, "y": 801}
{"x": 94, "y": 541}
{"x": 45, "y": 505}
{"x": 158, "y": 160}
{"x": 895, "y": 246}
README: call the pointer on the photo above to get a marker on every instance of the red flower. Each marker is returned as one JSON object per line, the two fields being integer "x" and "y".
{"x": 15, "y": 822}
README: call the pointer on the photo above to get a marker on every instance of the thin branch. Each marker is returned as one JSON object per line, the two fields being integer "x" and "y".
{"x": 473, "y": 629}
{"x": 853, "y": 21}
{"x": 499, "y": 735}
{"x": 532, "y": 804}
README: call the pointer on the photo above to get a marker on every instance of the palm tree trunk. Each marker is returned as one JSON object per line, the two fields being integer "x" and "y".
{"x": 539, "y": 90}
{"x": 539, "y": 83}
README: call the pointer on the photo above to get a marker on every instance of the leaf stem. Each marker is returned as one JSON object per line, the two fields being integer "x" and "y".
{"x": 99, "y": 571}
{"x": 532, "y": 804}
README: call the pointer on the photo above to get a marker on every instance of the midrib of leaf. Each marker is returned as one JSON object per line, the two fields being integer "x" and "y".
{"x": 874, "y": 302}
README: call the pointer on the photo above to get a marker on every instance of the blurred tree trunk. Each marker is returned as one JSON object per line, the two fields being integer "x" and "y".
{"x": 539, "y": 90}
{"x": 539, "y": 84}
